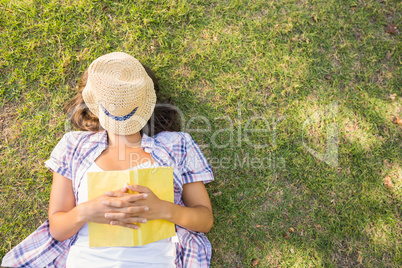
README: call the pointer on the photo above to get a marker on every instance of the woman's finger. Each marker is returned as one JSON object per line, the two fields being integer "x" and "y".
{"x": 138, "y": 188}
{"x": 116, "y": 203}
{"x": 126, "y": 212}
{"x": 130, "y": 197}
{"x": 124, "y": 189}
{"x": 133, "y": 220}
{"x": 122, "y": 217}
{"x": 115, "y": 193}
{"x": 125, "y": 200}
{"x": 119, "y": 192}
{"x": 135, "y": 197}
{"x": 135, "y": 210}
{"x": 128, "y": 225}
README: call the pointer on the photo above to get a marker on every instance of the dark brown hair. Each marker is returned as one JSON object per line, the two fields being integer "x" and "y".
{"x": 164, "y": 118}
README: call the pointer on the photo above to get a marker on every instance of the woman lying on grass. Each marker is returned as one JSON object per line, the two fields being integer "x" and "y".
{"x": 116, "y": 110}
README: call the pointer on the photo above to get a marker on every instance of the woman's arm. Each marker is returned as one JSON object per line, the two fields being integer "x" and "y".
{"x": 66, "y": 219}
{"x": 196, "y": 215}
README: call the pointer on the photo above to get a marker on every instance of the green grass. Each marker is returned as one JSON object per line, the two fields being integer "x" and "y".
{"x": 285, "y": 61}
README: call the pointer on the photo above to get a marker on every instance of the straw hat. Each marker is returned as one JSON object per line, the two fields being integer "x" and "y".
{"x": 120, "y": 93}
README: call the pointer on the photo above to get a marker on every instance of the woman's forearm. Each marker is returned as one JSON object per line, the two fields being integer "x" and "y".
{"x": 197, "y": 218}
{"x": 63, "y": 225}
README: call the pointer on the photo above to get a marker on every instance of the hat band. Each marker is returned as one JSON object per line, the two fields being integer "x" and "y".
{"x": 118, "y": 118}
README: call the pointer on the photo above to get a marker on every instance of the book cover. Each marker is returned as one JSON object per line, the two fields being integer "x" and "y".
{"x": 159, "y": 180}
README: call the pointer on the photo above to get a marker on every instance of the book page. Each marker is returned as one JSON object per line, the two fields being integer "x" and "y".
{"x": 106, "y": 235}
{"x": 160, "y": 181}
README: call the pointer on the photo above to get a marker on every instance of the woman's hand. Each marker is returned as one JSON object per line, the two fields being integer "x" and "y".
{"x": 151, "y": 207}
{"x": 196, "y": 215}
{"x": 103, "y": 208}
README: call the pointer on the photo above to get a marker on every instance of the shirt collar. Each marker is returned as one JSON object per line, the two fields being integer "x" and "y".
{"x": 147, "y": 143}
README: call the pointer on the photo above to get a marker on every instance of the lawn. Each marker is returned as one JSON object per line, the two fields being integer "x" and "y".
{"x": 296, "y": 104}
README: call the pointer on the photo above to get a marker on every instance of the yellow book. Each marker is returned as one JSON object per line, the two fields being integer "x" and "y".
{"x": 159, "y": 180}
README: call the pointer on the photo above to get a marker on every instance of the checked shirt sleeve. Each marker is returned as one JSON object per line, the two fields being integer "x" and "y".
{"x": 195, "y": 166}
{"x": 39, "y": 249}
{"x": 61, "y": 157}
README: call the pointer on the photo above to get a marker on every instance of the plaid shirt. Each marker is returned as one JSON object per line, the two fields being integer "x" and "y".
{"x": 74, "y": 154}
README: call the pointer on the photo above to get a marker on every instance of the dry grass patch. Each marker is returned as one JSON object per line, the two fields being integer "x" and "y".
{"x": 8, "y": 129}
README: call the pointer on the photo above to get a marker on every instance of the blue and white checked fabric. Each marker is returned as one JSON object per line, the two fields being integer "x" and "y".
{"x": 74, "y": 154}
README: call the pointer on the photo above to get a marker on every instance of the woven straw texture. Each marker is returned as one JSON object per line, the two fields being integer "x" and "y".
{"x": 120, "y": 93}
